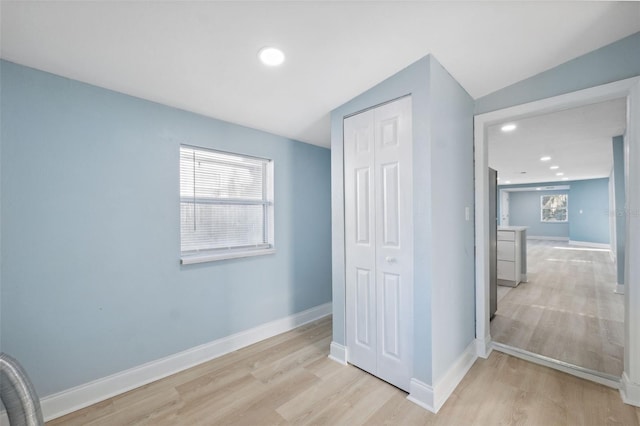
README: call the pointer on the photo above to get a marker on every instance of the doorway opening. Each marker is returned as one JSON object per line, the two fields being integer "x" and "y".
{"x": 556, "y": 180}
{"x": 626, "y": 89}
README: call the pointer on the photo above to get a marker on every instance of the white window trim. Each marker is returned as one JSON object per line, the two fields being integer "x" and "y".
{"x": 542, "y": 209}
{"x": 216, "y": 255}
{"x": 230, "y": 254}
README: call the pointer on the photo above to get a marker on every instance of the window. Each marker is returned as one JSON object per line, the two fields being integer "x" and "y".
{"x": 226, "y": 205}
{"x": 554, "y": 208}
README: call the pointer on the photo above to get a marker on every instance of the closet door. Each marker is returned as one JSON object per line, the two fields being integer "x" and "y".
{"x": 379, "y": 242}
{"x": 394, "y": 241}
{"x": 360, "y": 240}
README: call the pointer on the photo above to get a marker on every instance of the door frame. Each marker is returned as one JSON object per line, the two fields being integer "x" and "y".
{"x": 630, "y": 382}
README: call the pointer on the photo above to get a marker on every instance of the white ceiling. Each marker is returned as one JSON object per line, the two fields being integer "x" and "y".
{"x": 578, "y": 140}
{"x": 201, "y": 56}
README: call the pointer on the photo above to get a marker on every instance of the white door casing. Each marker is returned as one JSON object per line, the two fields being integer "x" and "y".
{"x": 630, "y": 89}
{"x": 379, "y": 241}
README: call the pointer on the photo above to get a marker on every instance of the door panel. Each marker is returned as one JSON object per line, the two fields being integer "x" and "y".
{"x": 390, "y": 315}
{"x": 363, "y": 205}
{"x": 365, "y": 294}
{"x": 379, "y": 241}
{"x": 394, "y": 240}
{"x": 390, "y": 192}
{"x": 359, "y": 240}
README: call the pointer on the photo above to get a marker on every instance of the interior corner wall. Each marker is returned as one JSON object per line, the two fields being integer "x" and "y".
{"x": 412, "y": 80}
{"x": 452, "y": 235}
{"x": 91, "y": 277}
{"x": 616, "y": 61}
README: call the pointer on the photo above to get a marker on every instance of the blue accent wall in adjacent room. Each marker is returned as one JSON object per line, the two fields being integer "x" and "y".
{"x": 524, "y": 210}
{"x": 591, "y": 196}
{"x": 91, "y": 279}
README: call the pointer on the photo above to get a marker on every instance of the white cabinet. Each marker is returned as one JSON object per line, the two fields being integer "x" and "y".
{"x": 512, "y": 255}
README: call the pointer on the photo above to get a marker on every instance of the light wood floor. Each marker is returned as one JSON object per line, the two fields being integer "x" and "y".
{"x": 567, "y": 310}
{"x": 288, "y": 379}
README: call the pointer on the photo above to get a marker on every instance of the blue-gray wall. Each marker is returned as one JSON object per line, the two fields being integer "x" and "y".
{"x": 524, "y": 210}
{"x": 91, "y": 280}
{"x": 589, "y": 211}
{"x": 591, "y": 196}
{"x": 620, "y": 205}
{"x": 452, "y": 236}
{"x": 610, "y": 63}
{"x": 443, "y": 240}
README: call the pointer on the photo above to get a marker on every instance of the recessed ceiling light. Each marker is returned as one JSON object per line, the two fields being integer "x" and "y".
{"x": 271, "y": 56}
{"x": 559, "y": 174}
{"x": 545, "y": 158}
{"x": 508, "y": 181}
{"x": 508, "y": 127}
{"x": 554, "y": 167}
{"x": 538, "y": 189}
{"x": 565, "y": 178}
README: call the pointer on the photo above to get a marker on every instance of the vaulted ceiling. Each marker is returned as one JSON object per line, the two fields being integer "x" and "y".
{"x": 201, "y": 56}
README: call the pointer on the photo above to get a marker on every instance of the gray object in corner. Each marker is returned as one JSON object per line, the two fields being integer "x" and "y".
{"x": 493, "y": 242}
{"x": 18, "y": 394}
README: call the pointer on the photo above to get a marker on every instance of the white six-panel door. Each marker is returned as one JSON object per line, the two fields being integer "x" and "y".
{"x": 379, "y": 241}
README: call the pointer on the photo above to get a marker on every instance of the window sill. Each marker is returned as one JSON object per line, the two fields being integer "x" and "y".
{"x": 211, "y": 257}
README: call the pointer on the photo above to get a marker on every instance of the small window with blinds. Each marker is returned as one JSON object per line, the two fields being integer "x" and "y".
{"x": 226, "y": 205}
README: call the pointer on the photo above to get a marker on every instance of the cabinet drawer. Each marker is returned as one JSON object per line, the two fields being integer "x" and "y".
{"x": 506, "y": 250}
{"x": 506, "y": 235}
{"x": 506, "y": 270}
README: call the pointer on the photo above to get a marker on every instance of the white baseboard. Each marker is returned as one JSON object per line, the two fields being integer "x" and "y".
{"x": 73, "y": 399}
{"x": 483, "y": 347}
{"x": 454, "y": 375}
{"x": 421, "y": 394}
{"x": 433, "y": 398}
{"x": 588, "y": 244}
{"x": 619, "y": 289}
{"x": 542, "y": 237}
{"x": 338, "y": 353}
{"x": 629, "y": 391}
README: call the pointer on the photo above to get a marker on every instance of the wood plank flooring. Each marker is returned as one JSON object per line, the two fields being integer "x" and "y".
{"x": 288, "y": 380}
{"x": 568, "y": 310}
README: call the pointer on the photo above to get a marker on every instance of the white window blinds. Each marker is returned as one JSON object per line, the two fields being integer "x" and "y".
{"x": 225, "y": 202}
